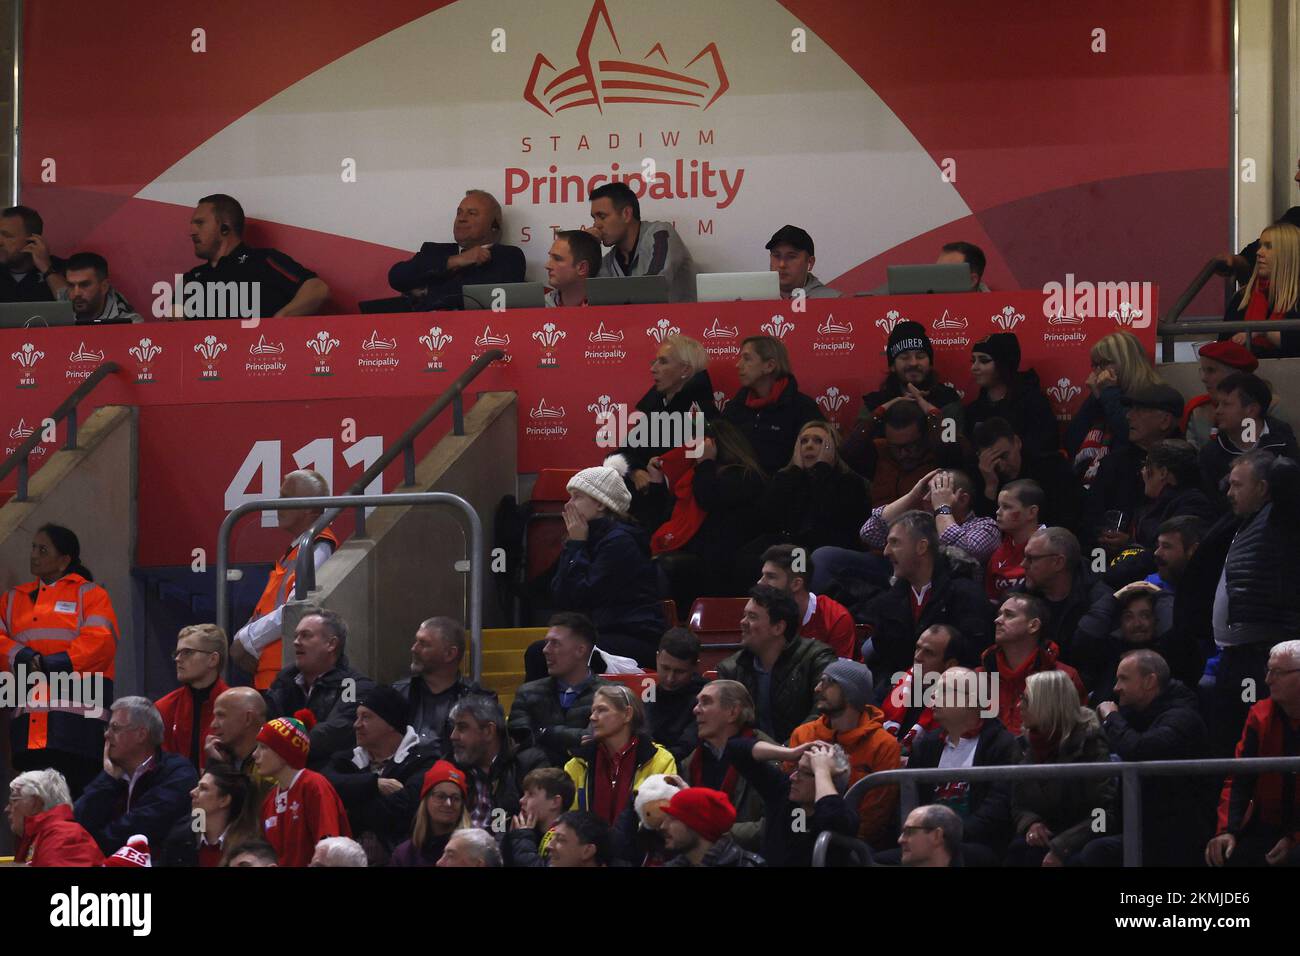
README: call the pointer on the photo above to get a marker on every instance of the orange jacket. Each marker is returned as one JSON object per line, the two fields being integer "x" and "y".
{"x": 72, "y": 626}
{"x": 278, "y": 588}
{"x": 870, "y": 747}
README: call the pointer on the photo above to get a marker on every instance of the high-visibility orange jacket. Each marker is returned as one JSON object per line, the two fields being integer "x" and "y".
{"x": 72, "y": 626}
{"x": 278, "y": 588}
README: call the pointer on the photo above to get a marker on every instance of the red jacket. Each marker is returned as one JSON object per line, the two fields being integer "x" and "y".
{"x": 177, "y": 710}
{"x": 831, "y": 623}
{"x": 54, "y": 838}
{"x": 1011, "y": 683}
{"x": 1263, "y": 799}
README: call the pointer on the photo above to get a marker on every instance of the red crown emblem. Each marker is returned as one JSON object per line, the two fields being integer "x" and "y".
{"x": 597, "y": 82}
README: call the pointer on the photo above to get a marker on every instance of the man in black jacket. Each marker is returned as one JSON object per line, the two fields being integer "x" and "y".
{"x": 550, "y": 715}
{"x": 910, "y": 378}
{"x": 379, "y": 782}
{"x": 1256, "y": 601}
{"x": 965, "y": 738}
{"x": 321, "y": 680}
{"x": 670, "y": 712}
{"x": 1138, "y": 616}
{"x": 1002, "y": 459}
{"x": 926, "y": 592}
{"x": 778, "y": 668}
{"x": 1080, "y": 604}
{"x": 1243, "y": 424}
{"x": 493, "y": 769}
{"x": 436, "y": 682}
{"x": 1154, "y": 717}
{"x": 436, "y": 275}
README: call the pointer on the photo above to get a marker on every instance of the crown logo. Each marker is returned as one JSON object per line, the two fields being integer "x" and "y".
{"x": 28, "y": 355}
{"x": 323, "y": 344}
{"x": 542, "y": 412}
{"x": 595, "y": 81}
{"x": 376, "y": 344}
{"x": 436, "y": 340}
{"x": 831, "y": 327}
{"x": 719, "y": 331}
{"x": 603, "y": 334}
{"x": 146, "y": 351}
{"x": 22, "y": 431}
{"x": 488, "y": 340}
{"x": 778, "y": 327}
{"x": 263, "y": 347}
{"x": 1058, "y": 318}
{"x": 83, "y": 354}
{"x": 948, "y": 322}
{"x": 1008, "y": 318}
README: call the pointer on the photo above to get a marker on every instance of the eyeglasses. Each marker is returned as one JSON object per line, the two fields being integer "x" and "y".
{"x": 448, "y": 798}
{"x": 187, "y": 651}
{"x": 1278, "y": 672}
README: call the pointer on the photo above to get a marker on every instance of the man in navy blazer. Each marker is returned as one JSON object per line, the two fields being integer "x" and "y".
{"x": 434, "y": 277}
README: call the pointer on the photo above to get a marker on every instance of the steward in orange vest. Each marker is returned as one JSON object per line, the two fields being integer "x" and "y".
{"x": 260, "y": 638}
{"x": 58, "y": 636}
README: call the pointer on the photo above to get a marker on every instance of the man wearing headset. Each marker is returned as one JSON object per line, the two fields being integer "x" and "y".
{"x": 269, "y": 283}
{"x": 434, "y": 277}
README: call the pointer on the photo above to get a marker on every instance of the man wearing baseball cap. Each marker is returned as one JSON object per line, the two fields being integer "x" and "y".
{"x": 792, "y": 260}
{"x": 1218, "y": 360}
{"x": 302, "y": 809}
{"x": 696, "y": 827}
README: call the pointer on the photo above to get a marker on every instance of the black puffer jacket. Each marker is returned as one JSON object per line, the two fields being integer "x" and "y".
{"x": 333, "y": 701}
{"x": 816, "y": 507}
{"x": 671, "y": 717}
{"x": 695, "y": 394}
{"x": 538, "y": 721}
{"x": 1219, "y": 453}
{"x": 772, "y": 429}
{"x": 1177, "y": 812}
{"x": 1098, "y": 661}
{"x": 610, "y": 578}
{"x": 1172, "y": 503}
{"x": 725, "y": 852}
{"x": 386, "y": 818}
{"x": 1067, "y": 806}
{"x": 794, "y": 675}
{"x": 1026, "y": 408}
{"x": 1262, "y": 568}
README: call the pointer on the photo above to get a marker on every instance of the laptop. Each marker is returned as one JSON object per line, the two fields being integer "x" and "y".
{"x": 733, "y": 286}
{"x": 510, "y": 295}
{"x": 913, "y": 280}
{"x": 18, "y": 315}
{"x": 627, "y": 290}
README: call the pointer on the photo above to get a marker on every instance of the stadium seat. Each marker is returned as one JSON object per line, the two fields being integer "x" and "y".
{"x": 716, "y": 622}
{"x": 544, "y": 537}
{"x": 670, "y": 612}
{"x": 633, "y": 682}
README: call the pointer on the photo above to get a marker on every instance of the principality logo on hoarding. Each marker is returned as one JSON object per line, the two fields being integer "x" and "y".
{"x": 545, "y": 422}
{"x": 492, "y": 340}
{"x": 599, "y": 83}
{"x": 605, "y": 346}
{"x": 20, "y": 433}
{"x": 83, "y": 357}
{"x": 837, "y": 332}
{"x": 378, "y": 353}
{"x": 265, "y": 358}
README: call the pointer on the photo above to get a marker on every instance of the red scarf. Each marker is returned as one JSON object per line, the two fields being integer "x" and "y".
{"x": 687, "y": 516}
{"x": 1257, "y": 310}
{"x": 728, "y": 779}
{"x": 753, "y": 400}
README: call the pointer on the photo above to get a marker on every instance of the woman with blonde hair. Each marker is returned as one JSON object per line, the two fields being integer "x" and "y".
{"x": 1272, "y": 292}
{"x": 442, "y": 811}
{"x": 1055, "y": 818}
{"x": 1120, "y": 368}
{"x": 816, "y": 500}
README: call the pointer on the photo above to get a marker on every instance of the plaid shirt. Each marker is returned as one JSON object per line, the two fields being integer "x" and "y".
{"x": 977, "y": 536}
{"x": 480, "y": 814}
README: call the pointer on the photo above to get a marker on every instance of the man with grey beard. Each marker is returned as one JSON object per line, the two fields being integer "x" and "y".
{"x": 436, "y": 684}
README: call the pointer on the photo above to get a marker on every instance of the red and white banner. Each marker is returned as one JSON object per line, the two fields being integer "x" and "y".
{"x": 226, "y": 410}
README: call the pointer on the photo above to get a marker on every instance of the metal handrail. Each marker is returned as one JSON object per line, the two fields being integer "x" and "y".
{"x": 305, "y": 568}
{"x": 67, "y": 409}
{"x": 363, "y": 501}
{"x": 828, "y": 838}
{"x": 1131, "y": 775}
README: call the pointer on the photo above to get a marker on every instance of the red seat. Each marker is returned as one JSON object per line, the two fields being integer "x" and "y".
{"x": 670, "y": 611}
{"x": 544, "y": 534}
{"x": 716, "y": 622}
{"x": 636, "y": 683}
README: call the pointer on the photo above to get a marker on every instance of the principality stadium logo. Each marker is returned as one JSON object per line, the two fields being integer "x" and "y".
{"x": 21, "y": 432}
{"x": 949, "y": 323}
{"x": 831, "y": 327}
{"x": 263, "y": 347}
{"x": 83, "y": 355}
{"x": 778, "y": 328}
{"x": 891, "y": 319}
{"x": 265, "y": 358}
{"x": 648, "y": 81}
{"x": 661, "y": 330}
{"x": 1008, "y": 318}
{"x": 489, "y": 341}
{"x": 376, "y": 344}
{"x": 719, "y": 331}
{"x": 604, "y": 336}
{"x": 545, "y": 422}
{"x": 1057, "y": 318}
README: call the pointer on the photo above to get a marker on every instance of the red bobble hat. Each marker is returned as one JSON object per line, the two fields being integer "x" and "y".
{"x": 1230, "y": 354}
{"x": 135, "y": 853}
{"x": 287, "y": 737}
{"x": 442, "y": 772}
{"x": 708, "y": 812}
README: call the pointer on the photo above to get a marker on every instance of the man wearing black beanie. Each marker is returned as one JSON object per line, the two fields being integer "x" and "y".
{"x": 910, "y": 377}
